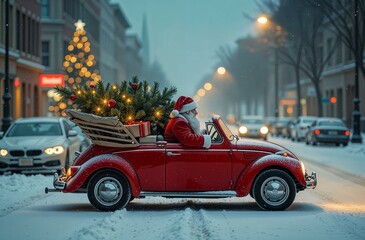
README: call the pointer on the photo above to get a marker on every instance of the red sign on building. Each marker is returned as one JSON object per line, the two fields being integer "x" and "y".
{"x": 51, "y": 80}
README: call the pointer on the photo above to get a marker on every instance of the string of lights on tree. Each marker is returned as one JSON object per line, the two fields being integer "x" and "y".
{"x": 130, "y": 101}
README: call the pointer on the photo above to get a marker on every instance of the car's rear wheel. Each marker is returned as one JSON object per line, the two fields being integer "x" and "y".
{"x": 274, "y": 190}
{"x": 109, "y": 191}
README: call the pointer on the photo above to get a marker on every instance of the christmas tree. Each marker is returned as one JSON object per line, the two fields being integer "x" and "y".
{"x": 79, "y": 66}
{"x": 130, "y": 101}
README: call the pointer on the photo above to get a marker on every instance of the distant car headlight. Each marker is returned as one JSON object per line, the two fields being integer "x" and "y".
{"x": 3, "y": 152}
{"x": 264, "y": 130}
{"x": 54, "y": 150}
{"x": 242, "y": 129}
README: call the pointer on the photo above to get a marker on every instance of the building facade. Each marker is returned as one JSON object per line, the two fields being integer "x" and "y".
{"x": 24, "y": 57}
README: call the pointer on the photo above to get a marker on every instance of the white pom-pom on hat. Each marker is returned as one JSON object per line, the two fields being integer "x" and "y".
{"x": 175, "y": 113}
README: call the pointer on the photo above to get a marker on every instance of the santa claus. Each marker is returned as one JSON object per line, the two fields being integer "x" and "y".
{"x": 184, "y": 127}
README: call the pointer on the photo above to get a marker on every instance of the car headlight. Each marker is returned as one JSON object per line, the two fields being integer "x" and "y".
{"x": 54, "y": 150}
{"x": 3, "y": 152}
{"x": 264, "y": 130}
{"x": 242, "y": 129}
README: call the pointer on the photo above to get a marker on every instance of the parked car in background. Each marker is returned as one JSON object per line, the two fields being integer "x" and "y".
{"x": 38, "y": 145}
{"x": 328, "y": 130}
{"x": 269, "y": 122}
{"x": 84, "y": 140}
{"x": 280, "y": 128}
{"x": 253, "y": 127}
{"x": 300, "y": 127}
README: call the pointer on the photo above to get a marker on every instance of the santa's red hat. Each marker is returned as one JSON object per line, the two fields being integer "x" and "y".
{"x": 183, "y": 104}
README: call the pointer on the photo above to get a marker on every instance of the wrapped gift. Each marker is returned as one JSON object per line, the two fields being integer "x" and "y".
{"x": 139, "y": 129}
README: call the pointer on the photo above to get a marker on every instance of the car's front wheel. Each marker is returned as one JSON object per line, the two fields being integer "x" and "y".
{"x": 109, "y": 191}
{"x": 274, "y": 190}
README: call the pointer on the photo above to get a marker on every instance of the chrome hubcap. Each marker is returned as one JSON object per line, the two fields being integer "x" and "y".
{"x": 275, "y": 191}
{"x": 108, "y": 191}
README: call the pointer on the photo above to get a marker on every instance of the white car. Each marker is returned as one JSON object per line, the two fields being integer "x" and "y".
{"x": 38, "y": 145}
{"x": 300, "y": 127}
{"x": 253, "y": 127}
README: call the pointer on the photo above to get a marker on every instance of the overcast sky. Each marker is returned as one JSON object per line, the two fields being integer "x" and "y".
{"x": 184, "y": 35}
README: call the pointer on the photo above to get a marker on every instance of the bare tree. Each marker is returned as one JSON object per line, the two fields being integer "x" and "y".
{"x": 248, "y": 66}
{"x": 304, "y": 24}
{"x": 341, "y": 15}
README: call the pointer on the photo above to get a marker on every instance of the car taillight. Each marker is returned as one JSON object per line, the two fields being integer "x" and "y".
{"x": 317, "y": 132}
{"x": 347, "y": 133}
{"x": 72, "y": 171}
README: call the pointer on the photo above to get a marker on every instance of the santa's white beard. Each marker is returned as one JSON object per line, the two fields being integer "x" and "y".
{"x": 193, "y": 122}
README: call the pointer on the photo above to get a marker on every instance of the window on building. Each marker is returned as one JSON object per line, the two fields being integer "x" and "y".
{"x": 45, "y": 53}
{"x": 45, "y": 8}
{"x": 339, "y": 53}
{"x": 24, "y": 33}
{"x": 339, "y": 103}
{"x": 36, "y": 101}
{"x": 30, "y": 32}
{"x": 17, "y": 31}
{"x": 24, "y": 100}
{"x": 329, "y": 50}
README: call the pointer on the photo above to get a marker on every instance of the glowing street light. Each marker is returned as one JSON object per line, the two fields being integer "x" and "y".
{"x": 221, "y": 70}
{"x": 262, "y": 20}
{"x": 208, "y": 86}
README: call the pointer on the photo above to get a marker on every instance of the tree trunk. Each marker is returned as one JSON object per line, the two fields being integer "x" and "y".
{"x": 319, "y": 98}
{"x": 299, "y": 106}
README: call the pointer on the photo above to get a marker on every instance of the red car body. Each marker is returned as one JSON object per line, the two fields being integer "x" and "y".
{"x": 231, "y": 167}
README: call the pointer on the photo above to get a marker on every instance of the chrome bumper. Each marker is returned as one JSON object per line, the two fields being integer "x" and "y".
{"x": 311, "y": 181}
{"x": 59, "y": 183}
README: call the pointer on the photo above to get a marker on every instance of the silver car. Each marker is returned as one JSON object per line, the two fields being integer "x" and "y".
{"x": 38, "y": 145}
{"x": 253, "y": 127}
{"x": 300, "y": 127}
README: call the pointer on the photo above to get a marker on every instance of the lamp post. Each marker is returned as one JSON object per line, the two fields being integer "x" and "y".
{"x": 7, "y": 96}
{"x": 264, "y": 20}
{"x": 356, "y": 136}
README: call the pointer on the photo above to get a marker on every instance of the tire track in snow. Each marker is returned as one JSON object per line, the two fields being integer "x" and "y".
{"x": 191, "y": 224}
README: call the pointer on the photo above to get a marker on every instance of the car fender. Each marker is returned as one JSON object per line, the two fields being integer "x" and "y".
{"x": 105, "y": 161}
{"x": 246, "y": 179}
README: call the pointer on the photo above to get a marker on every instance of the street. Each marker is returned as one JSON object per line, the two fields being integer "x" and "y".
{"x": 334, "y": 210}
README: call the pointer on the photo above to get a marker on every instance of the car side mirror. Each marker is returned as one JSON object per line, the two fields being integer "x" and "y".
{"x": 72, "y": 133}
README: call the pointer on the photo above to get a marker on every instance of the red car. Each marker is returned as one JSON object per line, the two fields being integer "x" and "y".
{"x": 119, "y": 167}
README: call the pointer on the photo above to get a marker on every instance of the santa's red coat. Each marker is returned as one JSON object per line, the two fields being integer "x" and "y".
{"x": 179, "y": 130}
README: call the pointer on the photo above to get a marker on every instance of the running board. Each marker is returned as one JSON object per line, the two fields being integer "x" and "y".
{"x": 207, "y": 194}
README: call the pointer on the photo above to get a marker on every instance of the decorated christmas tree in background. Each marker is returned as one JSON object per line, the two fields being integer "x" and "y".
{"x": 131, "y": 101}
{"x": 79, "y": 66}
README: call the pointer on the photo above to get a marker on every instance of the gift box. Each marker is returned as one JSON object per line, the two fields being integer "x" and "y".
{"x": 139, "y": 129}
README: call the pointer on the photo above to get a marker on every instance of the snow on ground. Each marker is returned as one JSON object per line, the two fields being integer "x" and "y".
{"x": 233, "y": 218}
{"x": 17, "y": 191}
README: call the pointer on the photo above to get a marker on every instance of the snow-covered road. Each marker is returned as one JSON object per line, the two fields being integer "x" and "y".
{"x": 334, "y": 210}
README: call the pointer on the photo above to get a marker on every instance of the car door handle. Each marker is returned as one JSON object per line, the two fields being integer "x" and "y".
{"x": 173, "y": 154}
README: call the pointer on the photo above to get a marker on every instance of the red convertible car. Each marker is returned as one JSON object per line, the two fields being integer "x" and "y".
{"x": 119, "y": 167}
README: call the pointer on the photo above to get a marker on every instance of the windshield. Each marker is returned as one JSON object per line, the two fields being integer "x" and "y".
{"x": 226, "y": 130}
{"x": 331, "y": 123}
{"x": 253, "y": 121}
{"x": 308, "y": 120}
{"x": 35, "y": 129}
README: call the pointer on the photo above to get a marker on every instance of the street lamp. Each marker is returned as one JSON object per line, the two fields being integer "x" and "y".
{"x": 264, "y": 20}
{"x": 7, "y": 95}
{"x": 356, "y": 136}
